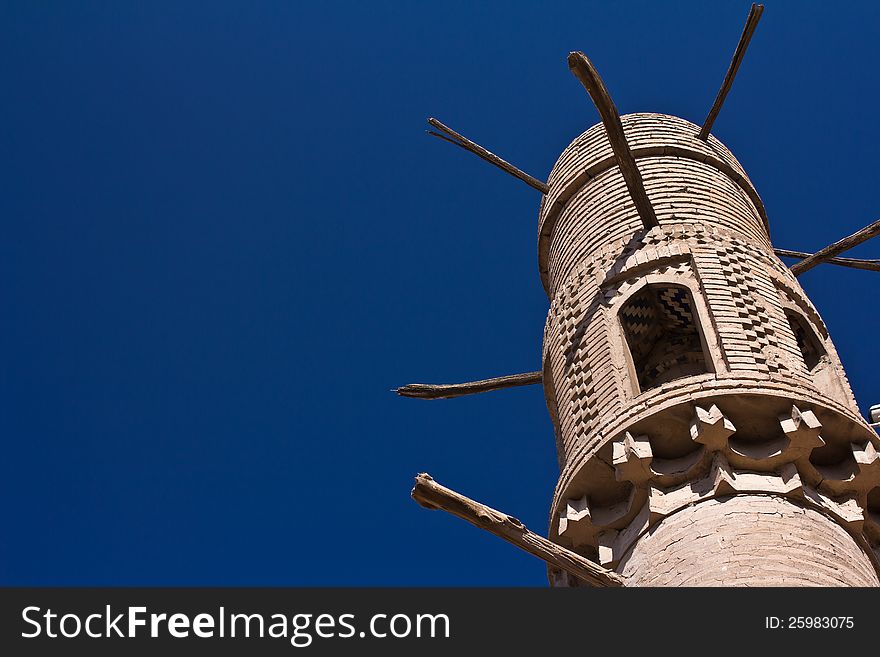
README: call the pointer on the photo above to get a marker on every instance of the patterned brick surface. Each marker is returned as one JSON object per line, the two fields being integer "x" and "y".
{"x": 740, "y": 286}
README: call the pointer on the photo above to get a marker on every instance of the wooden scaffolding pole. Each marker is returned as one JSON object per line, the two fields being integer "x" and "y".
{"x": 853, "y": 263}
{"x": 432, "y": 495}
{"x": 584, "y": 71}
{"x": 738, "y": 54}
{"x": 449, "y": 390}
{"x": 838, "y": 247}
{"x": 460, "y": 140}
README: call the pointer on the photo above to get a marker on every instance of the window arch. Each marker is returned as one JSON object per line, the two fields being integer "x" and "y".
{"x": 662, "y": 332}
{"x": 807, "y": 341}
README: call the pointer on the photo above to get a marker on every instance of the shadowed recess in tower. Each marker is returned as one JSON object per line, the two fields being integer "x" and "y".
{"x": 810, "y": 346}
{"x": 662, "y": 335}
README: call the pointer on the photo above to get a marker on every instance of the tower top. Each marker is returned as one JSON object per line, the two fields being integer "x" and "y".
{"x": 650, "y": 136}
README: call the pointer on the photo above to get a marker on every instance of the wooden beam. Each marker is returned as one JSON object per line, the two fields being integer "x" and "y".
{"x": 460, "y": 140}
{"x": 432, "y": 495}
{"x": 853, "y": 263}
{"x": 838, "y": 247}
{"x": 738, "y": 54}
{"x": 584, "y": 71}
{"x": 449, "y": 390}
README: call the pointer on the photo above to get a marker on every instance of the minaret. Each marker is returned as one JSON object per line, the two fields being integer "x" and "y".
{"x": 705, "y": 428}
{"x": 706, "y": 431}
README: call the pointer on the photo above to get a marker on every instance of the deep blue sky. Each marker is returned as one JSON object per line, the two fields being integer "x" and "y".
{"x": 225, "y": 238}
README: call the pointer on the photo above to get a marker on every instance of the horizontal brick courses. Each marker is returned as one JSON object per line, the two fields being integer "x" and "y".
{"x": 747, "y": 540}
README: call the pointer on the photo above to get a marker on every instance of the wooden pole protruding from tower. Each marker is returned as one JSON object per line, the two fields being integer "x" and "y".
{"x": 584, "y": 71}
{"x": 838, "y": 247}
{"x": 852, "y": 263}
{"x": 432, "y": 495}
{"x": 460, "y": 140}
{"x": 738, "y": 55}
{"x": 450, "y": 390}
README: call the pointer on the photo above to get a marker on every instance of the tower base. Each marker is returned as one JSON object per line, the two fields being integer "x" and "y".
{"x": 747, "y": 540}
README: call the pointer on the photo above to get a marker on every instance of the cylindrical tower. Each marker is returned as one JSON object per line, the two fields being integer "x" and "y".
{"x": 706, "y": 431}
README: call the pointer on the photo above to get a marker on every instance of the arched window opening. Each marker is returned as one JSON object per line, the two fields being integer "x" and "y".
{"x": 809, "y": 344}
{"x": 663, "y": 335}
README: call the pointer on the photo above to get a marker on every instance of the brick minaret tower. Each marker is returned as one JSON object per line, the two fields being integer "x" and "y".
{"x": 705, "y": 428}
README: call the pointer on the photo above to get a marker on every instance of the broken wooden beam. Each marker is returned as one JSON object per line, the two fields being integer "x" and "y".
{"x": 584, "y": 71}
{"x": 449, "y": 390}
{"x": 853, "y": 263}
{"x": 838, "y": 247}
{"x": 432, "y": 495}
{"x": 738, "y": 54}
{"x": 460, "y": 140}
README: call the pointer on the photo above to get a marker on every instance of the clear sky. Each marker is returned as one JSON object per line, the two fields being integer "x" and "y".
{"x": 226, "y": 237}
